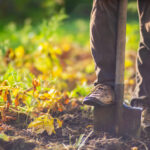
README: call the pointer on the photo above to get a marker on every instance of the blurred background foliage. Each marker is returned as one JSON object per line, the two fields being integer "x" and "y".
{"x": 16, "y": 15}
{"x": 38, "y": 9}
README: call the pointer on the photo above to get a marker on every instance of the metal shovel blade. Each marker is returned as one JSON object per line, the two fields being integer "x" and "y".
{"x": 105, "y": 120}
{"x": 131, "y": 122}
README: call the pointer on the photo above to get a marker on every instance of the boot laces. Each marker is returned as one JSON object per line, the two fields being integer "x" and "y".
{"x": 97, "y": 87}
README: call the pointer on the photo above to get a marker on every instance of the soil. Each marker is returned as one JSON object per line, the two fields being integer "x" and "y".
{"x": 76, "y": 133}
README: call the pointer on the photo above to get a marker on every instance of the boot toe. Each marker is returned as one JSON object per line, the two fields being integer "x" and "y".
{"x": 92, "y": 101}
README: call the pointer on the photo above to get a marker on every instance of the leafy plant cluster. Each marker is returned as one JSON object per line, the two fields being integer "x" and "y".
{"x": 37, "y": 76}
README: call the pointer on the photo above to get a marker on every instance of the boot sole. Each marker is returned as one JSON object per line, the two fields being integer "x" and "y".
{"x": 95, "y": 102}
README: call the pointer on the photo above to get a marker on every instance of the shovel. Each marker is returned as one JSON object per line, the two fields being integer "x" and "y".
{"x": 119, "y": 118}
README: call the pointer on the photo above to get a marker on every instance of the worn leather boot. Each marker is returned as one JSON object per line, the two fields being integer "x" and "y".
{"x": 102, "y": 95}
{"x": 143, "y": 102}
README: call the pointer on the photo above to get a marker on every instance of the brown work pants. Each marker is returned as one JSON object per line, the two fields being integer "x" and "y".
{"x": 103, "y": 31}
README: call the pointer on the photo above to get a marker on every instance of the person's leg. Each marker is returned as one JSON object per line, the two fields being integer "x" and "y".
{"x": 103, "y": 35}
{"x": 143, "y": 64}
{"x": 143, "y": 59}
{"x": 103, "y": 32}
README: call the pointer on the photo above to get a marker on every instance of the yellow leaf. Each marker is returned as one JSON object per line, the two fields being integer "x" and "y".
{"x": 59, "y": 123}
{"x": 15, "y": 91}
{"x": 4, "y": 137}
{"x": 35, "y": 123}
{"x": 131, "y": 82}
{"x": 128, "y": 63}
{"x": 89, "y": 126}
{"x": 19, "y": 52}
{"x": 57, "y": 50}
{"x": 36, "y": 94}
{"x": 4, "y": 83}
{"x": 43, "y": 123}
{"x": 66, "y": 46}
{"x": 134, "y": 148}
{"x": 45, "y": 96}
{"x": 40, "y": 130}
{"x": 5, "y": 87}
{"x": 57, "y": 71}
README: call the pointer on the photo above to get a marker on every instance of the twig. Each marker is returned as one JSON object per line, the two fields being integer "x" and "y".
{"x": 28, "y": 90}
{"x": 145, "y": 146}
{"x": 84, "y": 141}
{"x": 65, "y": 146}
{"x": 110, "y": 139}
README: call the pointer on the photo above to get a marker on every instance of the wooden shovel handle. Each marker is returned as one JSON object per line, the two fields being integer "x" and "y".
{"x": 121, "y": 42}
{"x": 120, "y": 63}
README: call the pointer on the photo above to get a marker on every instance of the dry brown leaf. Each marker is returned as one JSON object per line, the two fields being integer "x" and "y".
{"x": 35, "y": 84}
